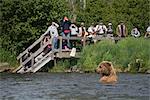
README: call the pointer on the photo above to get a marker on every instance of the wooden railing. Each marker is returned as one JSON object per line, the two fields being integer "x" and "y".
{"x": 31, "y": 46}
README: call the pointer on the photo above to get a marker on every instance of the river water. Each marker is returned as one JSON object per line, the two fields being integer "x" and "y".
{"x": 72, "y": 86}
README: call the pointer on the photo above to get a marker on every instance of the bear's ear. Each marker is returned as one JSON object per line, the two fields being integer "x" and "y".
{"x": 108, "y": 64}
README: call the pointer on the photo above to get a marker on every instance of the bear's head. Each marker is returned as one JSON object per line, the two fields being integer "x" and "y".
{"x": 104, "y": 68}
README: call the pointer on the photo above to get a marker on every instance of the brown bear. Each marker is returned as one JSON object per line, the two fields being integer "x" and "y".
{"x": 107, "y": 72}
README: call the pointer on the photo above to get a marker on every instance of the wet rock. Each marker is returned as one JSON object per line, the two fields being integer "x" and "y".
{"x": 5, "y": 67}
{"x": 73, "y": 69}
{"x": 119, "y": 70}
{"x": 148, "y": 71}
{"x": 6, "y": 70}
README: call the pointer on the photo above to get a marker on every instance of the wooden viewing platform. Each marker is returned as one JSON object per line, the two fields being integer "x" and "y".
{"x": 52, "y": 55}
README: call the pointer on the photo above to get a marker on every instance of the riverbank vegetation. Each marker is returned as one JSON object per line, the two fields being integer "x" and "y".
{"x": 7, "y": 59}
{"x": 129, "y": 54}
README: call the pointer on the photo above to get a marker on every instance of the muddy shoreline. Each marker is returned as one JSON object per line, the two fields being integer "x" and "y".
{"x": 5, "y": 67}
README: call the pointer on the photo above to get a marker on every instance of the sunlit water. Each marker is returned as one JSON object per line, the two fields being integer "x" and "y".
{"x": 72, "y": 86}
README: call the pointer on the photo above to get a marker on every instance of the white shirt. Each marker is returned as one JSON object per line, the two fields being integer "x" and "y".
{"x": 101, "y": 29}
{"x": 53, "y": 31}
{"x": 80, "y": 30}
{"x": 148, "y": 29}
{"x": 135, "y": 32}
{"x": 74, "y": 29}
{"x": 91, "y": 29}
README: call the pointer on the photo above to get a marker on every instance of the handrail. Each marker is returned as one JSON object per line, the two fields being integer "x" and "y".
{"x": 71, "y": 38}
{"x": 86, "y": 38}
{"x": 48, "y": 54}
{"x": 34, "y": 54}
{"x": 31, "y": 46}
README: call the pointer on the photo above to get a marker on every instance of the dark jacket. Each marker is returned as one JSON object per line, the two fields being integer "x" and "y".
{"x": 65, "y": 25}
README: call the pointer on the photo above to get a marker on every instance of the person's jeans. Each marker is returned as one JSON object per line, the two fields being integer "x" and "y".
{"x": 54, "y": 42}
{"x": 68, "y": 36}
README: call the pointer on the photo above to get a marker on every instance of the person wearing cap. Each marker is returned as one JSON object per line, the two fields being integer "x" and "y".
{"x": 53, "y": 32}
{"x": 109, "y": 30}
{"x": 92, "y": 33}
{"x": 91, "y": 29}
{"x": 82, "y": 30}
{"x": 147, "y": 35}
{"x": 135, "y": 32}
{"x": 121, "y": 30}
{"x": 101, "y": 29}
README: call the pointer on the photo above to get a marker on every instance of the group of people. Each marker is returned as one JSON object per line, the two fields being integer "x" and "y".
{"x": 69, "y": 29}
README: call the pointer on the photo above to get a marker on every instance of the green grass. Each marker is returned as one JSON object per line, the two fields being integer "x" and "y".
{"x": 62, "y": 66}
{"x": 7, "y": 56}
{"x": 127, "y": 52}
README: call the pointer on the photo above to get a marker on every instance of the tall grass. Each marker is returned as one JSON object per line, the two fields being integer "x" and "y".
{"x": 131, "y": 52}
{"x": 7, "y": 56}
{"x": 62, "y": 66}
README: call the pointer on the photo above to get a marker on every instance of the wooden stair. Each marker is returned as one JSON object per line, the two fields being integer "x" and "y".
{"x": 48, "y": 57}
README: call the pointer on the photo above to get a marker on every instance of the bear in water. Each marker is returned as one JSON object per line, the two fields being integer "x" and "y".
{"x": 107, "y": 72}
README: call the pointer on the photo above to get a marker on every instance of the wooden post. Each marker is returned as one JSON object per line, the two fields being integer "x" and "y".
{"x": 52, "y": 45}
{"x": 21, "y": 61}
{"x": 41, "y": 44}
{"x": 84, "y": 41}
{"x": 55, "y": 62}
{"x": 32, "y": 60}
{"x": 60, "y": 44}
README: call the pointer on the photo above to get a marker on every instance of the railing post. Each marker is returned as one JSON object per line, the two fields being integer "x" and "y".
{"x": 55, "y": 62}
{"x": 60, "y": 44}
{"x": 32, "y": 60}
{"x": 53, "y": 45}
{"x": 21, "y": 61}
{"x": 41, "y": 44}
{"x": 84, "y": 41}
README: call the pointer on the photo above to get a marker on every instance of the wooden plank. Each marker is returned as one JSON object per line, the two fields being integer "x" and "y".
{"x": 84, "y": 41}
{"x": 60, "y": 44}
{"x": 21, "y": 60}
{"x": 71, "y": 38}
{"x": 14, "y": 71}
{"x": 66, "y": 55}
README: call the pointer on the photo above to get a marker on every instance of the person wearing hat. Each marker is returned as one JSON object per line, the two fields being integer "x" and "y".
{"x": 135, "y": 32}
{"x": 109, "y": 30}
{"x": 53, "y": 32}
{"x": 101, "y": 29}
{"x": 82, "y": 30}
{"x": 121, "y": 30}
{"x": 147, "y": 35}
{"x": 91, "y": 29}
